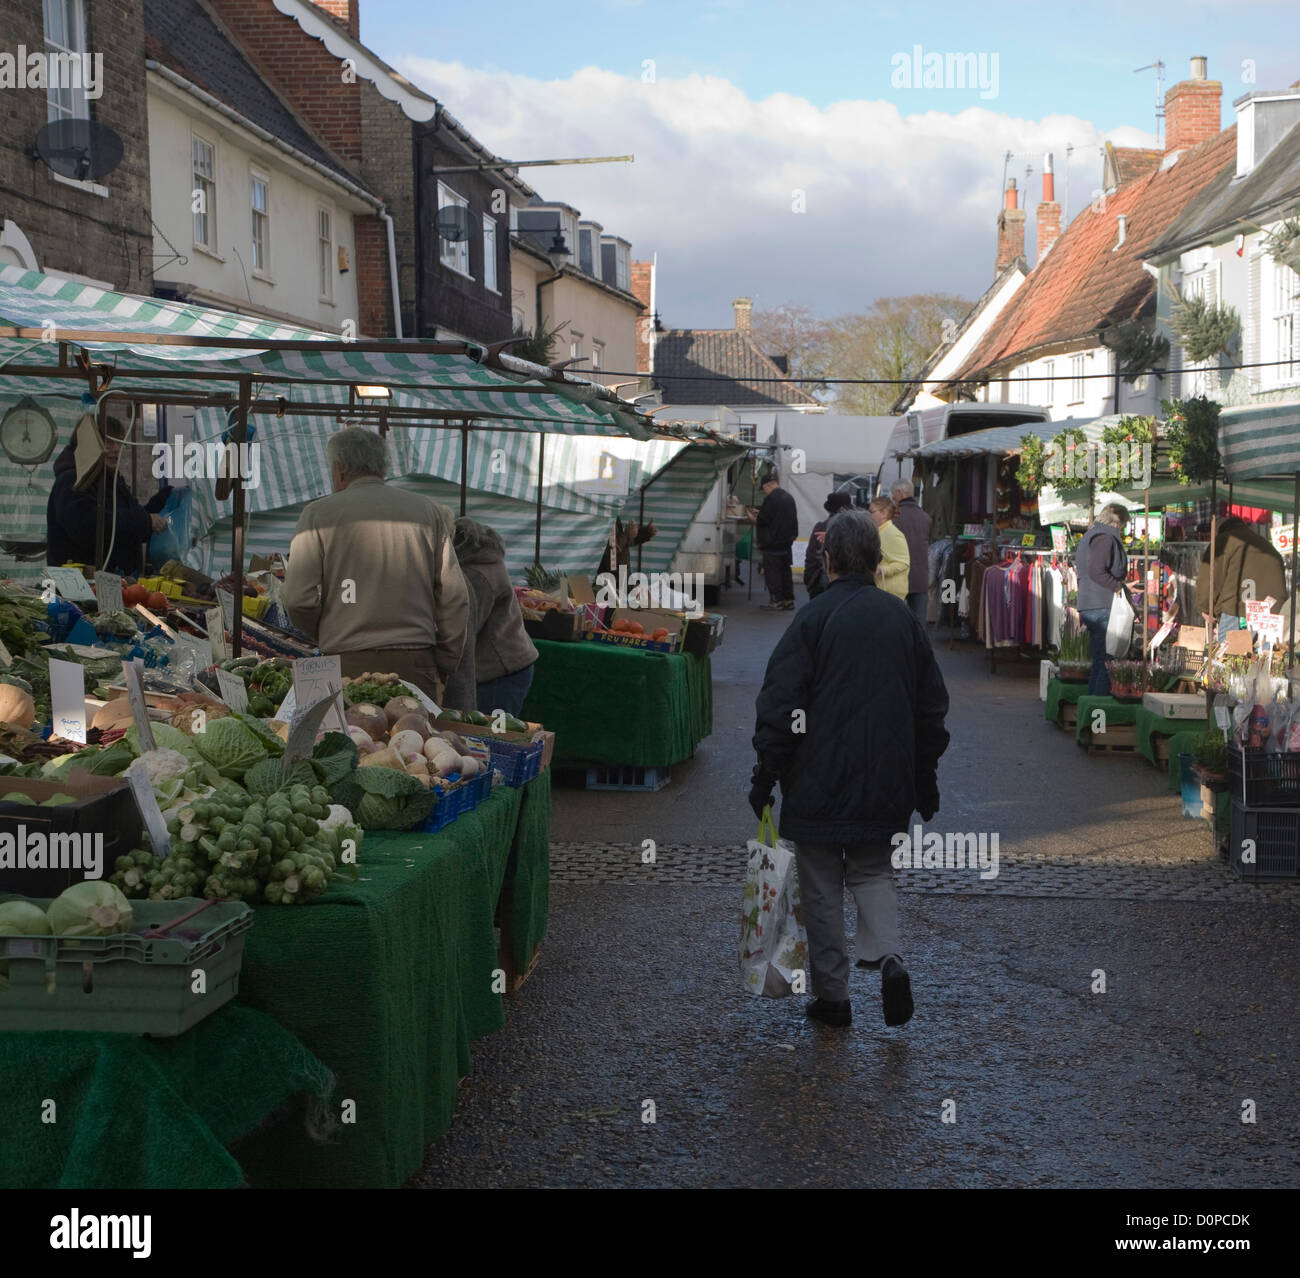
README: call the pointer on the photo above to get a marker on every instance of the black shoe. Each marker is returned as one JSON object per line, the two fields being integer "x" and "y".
{"x": 829, "y": 1012}
{"x": 872, "y": 965}
{"x": 787, "y": 605}
{"x": 895, "y": 991}
{"x": 771, "y": 607}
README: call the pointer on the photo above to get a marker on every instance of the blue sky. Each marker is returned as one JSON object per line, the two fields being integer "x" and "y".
{"x": 731, "y": 107}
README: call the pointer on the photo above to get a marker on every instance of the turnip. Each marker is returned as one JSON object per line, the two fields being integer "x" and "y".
{"x": 469, "y": 765}
{"x": 406, "y": 743}
{"x": 398, "y": 706}
{"x": 370, "y": 719}
{"x": 412, "y": 723}
{"x": 360, "y": 736}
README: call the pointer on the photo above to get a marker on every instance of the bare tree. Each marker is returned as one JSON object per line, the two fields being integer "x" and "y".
{"x": 802, "y": 338}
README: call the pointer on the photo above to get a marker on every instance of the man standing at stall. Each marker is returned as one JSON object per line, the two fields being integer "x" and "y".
{"x": 1102, "y": 565}
{"x": 372, "y": 575}
{"x": 776, "y": 528}
{"x": 914, "y": 524}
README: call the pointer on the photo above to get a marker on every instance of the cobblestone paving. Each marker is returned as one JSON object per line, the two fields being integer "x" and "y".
{"x": 1107, "y": 875}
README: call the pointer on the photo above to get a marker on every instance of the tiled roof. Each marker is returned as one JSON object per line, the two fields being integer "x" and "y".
{"x": 1085, "y": 281}
{"x": 184, "y": 36}
{"x": 1134, "y": 162}
{"x": 1226, "y": 205}
{"x": 689, "y": 362}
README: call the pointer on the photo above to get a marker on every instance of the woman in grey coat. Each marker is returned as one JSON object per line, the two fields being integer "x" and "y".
{"x": 496, "y": 670}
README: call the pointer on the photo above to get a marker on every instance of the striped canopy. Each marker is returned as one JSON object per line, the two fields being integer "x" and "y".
{"x": 1260, "y": 441}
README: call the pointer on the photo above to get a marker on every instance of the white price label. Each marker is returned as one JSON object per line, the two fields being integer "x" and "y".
{"x": 70, "y": 584}
{"x": 233, "y": 691}
{"x": 68, "y": 699}
{"x": 133, "y": 677}
{"x": 147, "y": 801}
{"x": 317, "y": 677}
{"x": 216, "y": 625}
{"x": 108, "y": 592}
{"x": 285, "y": 713}
{"x": 227, "y": 602}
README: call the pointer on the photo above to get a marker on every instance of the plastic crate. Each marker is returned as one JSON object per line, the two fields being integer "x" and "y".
{"x": 1275, "y": 833}
{"x": 518, "y": 762}
{"x": 462, "y": 798}
{"x": 126, "y": 984}
{"x": 1264, "y": 778}
{"x": 627, "y": 777}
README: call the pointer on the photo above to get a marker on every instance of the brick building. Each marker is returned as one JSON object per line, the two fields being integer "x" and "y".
{"x": 91, "y": 230}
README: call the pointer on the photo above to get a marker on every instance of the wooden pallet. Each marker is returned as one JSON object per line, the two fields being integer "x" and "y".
{"x": 1160, "y": 748}
{"x": 1069, "y": 717}
{"x": 1119, "y": 739}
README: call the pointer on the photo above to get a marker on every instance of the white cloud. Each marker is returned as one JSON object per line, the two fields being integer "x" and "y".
{"x": 896, "y": 203}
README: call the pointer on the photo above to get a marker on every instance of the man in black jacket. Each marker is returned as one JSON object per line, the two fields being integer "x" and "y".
{"x": 850, "y": 722}
{"x": 70, "y": 528}
{"x": 776, "y": 528}
{"x": 814, "y": 570}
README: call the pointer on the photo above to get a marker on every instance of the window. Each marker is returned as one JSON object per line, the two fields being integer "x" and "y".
{"x": 587, "y": 245}
{"x": 325, "y": 253}
{"x": 1076, "y": 379}
{"x": 1049, "y": 384}
{"x": 489, "y": 253}
{"x": 575, "y": 346}
{"x": 453, "y": 253}
{"x": 260, "y": 202}
{"x": 621, "y": 268}
{"x": 748, "y": 433}
{"x": 1022, "y": 385}
{"x": 65, "y": 42}
{"x": 203, "y": 192}
{"x": 597, "y": 355}
{"x": 1280, "y": 335}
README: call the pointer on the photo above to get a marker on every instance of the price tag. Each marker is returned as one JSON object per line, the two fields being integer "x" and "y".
{"x": 285, "y": 713}
{"x": 133, "y": 676}
{"x": 70, "y": 584}
{"x": 227, "y": 602}
{"x": 233, "y": 692}
{"x": 108, "y": 592}
{"x": 305, "y": 725}
{"x": 424, "y": 699}
{"x": 1029, "y": 539}
{"x": 68, "y": 699}
{"x": 317, "y": 677}
{"x": 216, "y": 626}
{"x": 146, "y": 800}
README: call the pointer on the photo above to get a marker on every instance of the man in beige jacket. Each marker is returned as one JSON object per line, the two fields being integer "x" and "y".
{"x": 372, "y": 576}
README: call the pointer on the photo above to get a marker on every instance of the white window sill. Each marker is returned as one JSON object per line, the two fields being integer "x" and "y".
{"x": 325, "y": 301}
{"x": 465, "y": 275}
{"x": 91, "y": 188}
{"x": 490, "y": 289}
{"x": 212, "y": 253}
{"x": 264, "y": 277}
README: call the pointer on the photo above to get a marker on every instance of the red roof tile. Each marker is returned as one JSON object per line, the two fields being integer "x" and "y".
{"x": 1084, "y": 281}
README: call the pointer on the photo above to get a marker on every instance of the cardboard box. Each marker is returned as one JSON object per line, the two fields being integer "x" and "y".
{"x": 556, "y": 626}
{"x": 105, "y": 807}
{"x": 704, "y": 634}
{"x": 650, "y": 620}
{"x": 1175, "y": 705}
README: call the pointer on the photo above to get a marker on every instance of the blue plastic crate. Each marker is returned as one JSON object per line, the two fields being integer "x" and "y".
{"x": 462, "y": 798}
{"x": 627, "y": 777}
{"x": 518, "y": 763}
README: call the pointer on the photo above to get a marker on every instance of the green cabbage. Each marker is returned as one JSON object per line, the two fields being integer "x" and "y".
{"x": 230, "y": 746}
{"x": 90, "y": 908}
{"x": 384, "y": 799}
{"x": 165, "y": 737}
{"x": 20, "y": 918}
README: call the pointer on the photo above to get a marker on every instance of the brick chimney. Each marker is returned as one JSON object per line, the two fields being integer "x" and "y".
{"x": 742, "y": 307}
{"x": 1192, "y": 110}
{"x": 1011, "y": 230}
{"x": 345, "y": 11}
{"x": 1049, "y": 211}
{"x": 643, "y": 291}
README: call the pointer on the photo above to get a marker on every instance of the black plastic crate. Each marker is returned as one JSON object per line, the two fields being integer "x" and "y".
{"x": 1275, "y": 833}
{"x": 1264, "y": 778}
{"x": 626, "y": 777}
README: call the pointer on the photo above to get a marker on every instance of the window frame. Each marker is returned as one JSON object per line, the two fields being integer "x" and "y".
{"x": 1049, "y": 374}
{"x": 491, "y": 278}
{"x": 200, "y": 182}
{"x": 1078, "y": 380}
{"x": 452, "y": 252}
{"x": 596, "y": 362}
{"x": 79, "y": 108}
{"x": 1281, "y": 317}
{"x": 257, "y": 178}
{"x": 325, "y": 264}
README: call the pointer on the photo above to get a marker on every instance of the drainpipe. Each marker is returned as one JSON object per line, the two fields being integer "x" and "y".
{"x": 392, "y": 271}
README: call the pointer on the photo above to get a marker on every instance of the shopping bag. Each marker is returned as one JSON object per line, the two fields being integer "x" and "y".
{"x": 174, "y": 540}
{"x": 1119, "y": 629}
{"x": 773, "y": 943}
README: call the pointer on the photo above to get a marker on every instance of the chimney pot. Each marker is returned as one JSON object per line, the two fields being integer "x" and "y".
{"x": 1192, "y": 110}
{"x": 1199, "y": 68}
{"x": 1012, "y": 199}
{"x": 742, "y": 307}
{"x": 1048, "y": 213}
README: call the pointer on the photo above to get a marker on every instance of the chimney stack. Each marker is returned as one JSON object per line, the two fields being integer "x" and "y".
{"x": 1049, "y": 211}
{"x": 1192, "y": 110}
{"x": 643, "y": 288}
{"x": 1011, "y": 231}
{"x": 742, "y": 306}
{"x": 345, "y": 11}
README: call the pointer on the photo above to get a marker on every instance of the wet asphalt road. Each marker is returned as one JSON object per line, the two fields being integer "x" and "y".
{"x": 1046, "y": 1080}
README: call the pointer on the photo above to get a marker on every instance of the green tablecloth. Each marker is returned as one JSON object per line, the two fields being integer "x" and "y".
{"x": 1182, "y": 733}
{"x": 388, "y": 980}
{"x": 1118, "y": 713}
{"x": 1059, "y": 693}
{"x": 612, "y": 705}
{"x": 141, "y": 1113}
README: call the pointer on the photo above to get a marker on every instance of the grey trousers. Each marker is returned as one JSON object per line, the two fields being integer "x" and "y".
{"x": 825, "y": 870}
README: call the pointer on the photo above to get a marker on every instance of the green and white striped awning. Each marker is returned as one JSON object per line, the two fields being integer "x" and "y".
{"x": 1260, "y": 441}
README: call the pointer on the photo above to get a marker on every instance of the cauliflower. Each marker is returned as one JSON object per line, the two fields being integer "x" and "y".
{"x": 164, "y": 765}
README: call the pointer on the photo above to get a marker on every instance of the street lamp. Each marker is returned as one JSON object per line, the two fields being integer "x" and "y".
{"x": 558, "y": 254}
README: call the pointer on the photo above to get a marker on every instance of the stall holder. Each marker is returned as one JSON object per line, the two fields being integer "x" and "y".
{"x": 370, "y": 994}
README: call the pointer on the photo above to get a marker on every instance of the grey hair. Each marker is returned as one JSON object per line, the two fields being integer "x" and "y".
{"x": 853, "y": 543}
{"x": 357, "y": 451}
{"x": 884, "y": 503}
{"x": 902, "y": 490}
{"x": 1114, "y": 514}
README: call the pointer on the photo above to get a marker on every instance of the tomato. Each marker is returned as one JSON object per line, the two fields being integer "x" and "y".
{"x": 622, "y": 625}
{"x": 660, "y": 635}
{"x": 156, "y": 601}
{"x": 133, "y": 595}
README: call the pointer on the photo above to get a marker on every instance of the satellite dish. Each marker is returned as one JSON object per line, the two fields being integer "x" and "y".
{"x": 455, "y": 223}
{"x": 83, "y": 150}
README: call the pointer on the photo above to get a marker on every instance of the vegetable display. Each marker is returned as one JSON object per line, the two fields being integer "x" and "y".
{"x": 90, "y": 908}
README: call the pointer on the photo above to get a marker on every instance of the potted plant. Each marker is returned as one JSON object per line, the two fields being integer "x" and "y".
{"x": 1211, "y": 761}
{"x": 1074, "y": 656}
{"x": 1127, "y": 680}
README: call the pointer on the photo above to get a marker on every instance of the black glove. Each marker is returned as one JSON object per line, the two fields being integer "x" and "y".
{"x": 927, "y": 797}
{"x": 155, "y": 503}
{"x": 760, "y": 792}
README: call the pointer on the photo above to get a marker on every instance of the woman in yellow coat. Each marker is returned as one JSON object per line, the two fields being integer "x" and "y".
{"x": 895, "y": 559}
